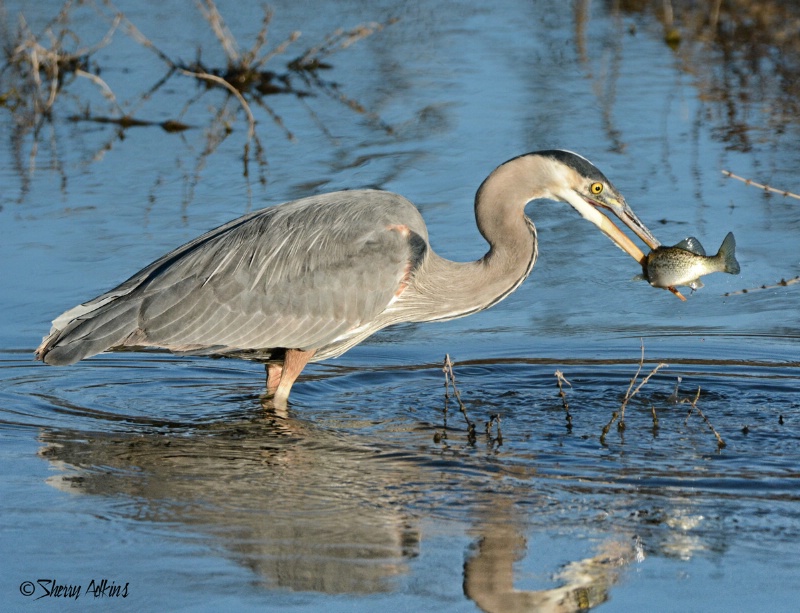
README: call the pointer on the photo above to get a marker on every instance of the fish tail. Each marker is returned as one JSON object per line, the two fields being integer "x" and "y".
{"x": 727, "y": 255}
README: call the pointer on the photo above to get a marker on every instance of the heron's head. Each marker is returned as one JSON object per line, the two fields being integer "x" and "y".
{"x": 578, "y": 182}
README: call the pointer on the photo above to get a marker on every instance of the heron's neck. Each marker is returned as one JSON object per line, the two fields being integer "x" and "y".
{"x": 447, "y": 289}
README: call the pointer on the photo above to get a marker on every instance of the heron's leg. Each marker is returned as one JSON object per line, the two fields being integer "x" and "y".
{"x": 274, "y": 372}
{"x": 293, "y": 365}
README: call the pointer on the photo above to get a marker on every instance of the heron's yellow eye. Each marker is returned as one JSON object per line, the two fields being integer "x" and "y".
{"x": 596, "y": 188}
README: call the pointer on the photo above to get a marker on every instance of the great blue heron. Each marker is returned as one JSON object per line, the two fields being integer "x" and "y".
{"x": 309, "y": 279}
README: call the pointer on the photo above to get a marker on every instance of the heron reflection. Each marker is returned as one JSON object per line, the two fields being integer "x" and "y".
{"x": 306, "y": 509}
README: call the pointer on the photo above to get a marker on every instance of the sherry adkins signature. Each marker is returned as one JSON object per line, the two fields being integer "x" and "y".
{"x": 50, "y": 588}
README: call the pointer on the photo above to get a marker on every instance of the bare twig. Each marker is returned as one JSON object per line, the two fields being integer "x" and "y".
{"x": 276, "y": 119}
{"x": 494, "y": 419}
{"x": 655, "y": 419}
{"x": 45, "y": 64}
{"x": 106, "y": 40}
{"x": 636, "y": 391}
{"x": 251, "y": 120}
{"x": 261, "y": 39}
{"x": 104, "y": 88}
{"x": 693, "y": 405}
{"x": 628, "y": 395}
{"x": 221, "y": 31}
{"x": 766, "y": 188}
{"x": 781, "y": 283}
{"x": 633, "y": 381}
{"x": 40, "y": 67}
{"x": 134, "y": 32}
{"x": 450, "y": 379}
{"x": 218, "y": 130}
{"x": 33, "y": 60}
{"x": 276, "y": 51}
{"x": 561, "y": 378}
{"x": 336, "y": 41}
{"x": 607, "y": 427}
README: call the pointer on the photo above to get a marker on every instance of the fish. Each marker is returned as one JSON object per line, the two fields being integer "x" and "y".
{"x": 684, "y": 263}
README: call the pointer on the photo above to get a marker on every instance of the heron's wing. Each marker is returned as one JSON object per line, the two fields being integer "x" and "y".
{"x": 112, "y": 318}
{"x": 296, "y": 276}
{"x": 137, "y": 280}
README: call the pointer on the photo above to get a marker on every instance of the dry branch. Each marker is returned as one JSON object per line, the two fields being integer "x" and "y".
{"x": 494, "y": 419}
{"x": 212, "y": 15}
{"x": 561, "y": 378}
{"x": 628, "y": 395}
{"x": 693, "y": 406}
{"x": 781, "y": 283}
{"x": 450, "y": 379}
{"x": 766, "y": 188}
{"x": 338, "y": 40}
{"x": 41, "y": 66}
{"x": 251, "y": 120}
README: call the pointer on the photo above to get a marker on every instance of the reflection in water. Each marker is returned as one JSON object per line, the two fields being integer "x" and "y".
{"x": 352, "y": 499}
{"x": 39, "y": 84}
{"x": 489, "y": 573}
{"x": 744, "y": 57}
{"x": 290, "y": 503}
{"x": 306, "y": 510}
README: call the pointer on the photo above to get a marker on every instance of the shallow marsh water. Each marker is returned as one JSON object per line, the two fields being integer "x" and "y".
{"x": 167, "y": 474}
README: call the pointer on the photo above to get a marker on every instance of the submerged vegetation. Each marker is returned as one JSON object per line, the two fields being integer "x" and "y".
{"x": 618, "y": 415}
{"x": 40, "y": 70}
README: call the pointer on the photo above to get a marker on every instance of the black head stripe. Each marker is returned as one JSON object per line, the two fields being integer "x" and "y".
{"x": 579, "y": 163}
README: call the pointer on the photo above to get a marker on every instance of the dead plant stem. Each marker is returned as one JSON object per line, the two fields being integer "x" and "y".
{"x": 766, "y": 188}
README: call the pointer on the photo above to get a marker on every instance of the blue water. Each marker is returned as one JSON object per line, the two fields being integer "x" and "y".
{"x": 167, "y": 475}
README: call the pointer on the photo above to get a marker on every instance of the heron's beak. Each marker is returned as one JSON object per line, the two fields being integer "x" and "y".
{"x": 621, "y": 209}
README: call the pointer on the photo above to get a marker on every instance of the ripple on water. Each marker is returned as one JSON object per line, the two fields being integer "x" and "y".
{"x": 333, "y": 496}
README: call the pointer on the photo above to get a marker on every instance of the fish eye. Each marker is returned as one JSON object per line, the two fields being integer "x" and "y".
{"x": 596, "y": 188}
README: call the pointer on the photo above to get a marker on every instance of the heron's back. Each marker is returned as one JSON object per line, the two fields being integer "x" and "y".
{"x": 301, "y": 275}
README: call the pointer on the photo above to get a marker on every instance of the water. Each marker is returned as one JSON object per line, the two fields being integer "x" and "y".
{"x": 167, "y": 477}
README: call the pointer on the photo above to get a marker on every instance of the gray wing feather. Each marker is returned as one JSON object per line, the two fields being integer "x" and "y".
{"x": 84, "y": 336}
{"x": 299, "y": 275}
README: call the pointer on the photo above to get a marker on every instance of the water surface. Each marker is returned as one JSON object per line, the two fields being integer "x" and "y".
{"x": 169, "y": 475}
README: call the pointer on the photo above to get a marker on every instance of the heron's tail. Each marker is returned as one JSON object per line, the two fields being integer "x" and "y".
{"x": 88, "y": 329}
